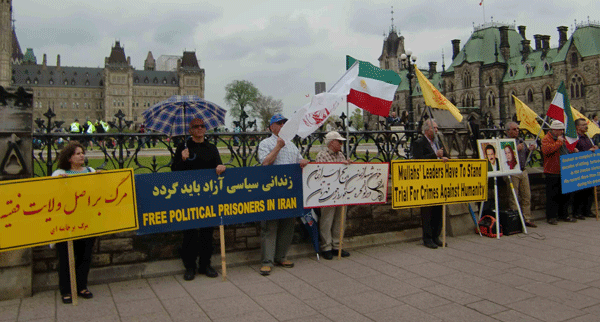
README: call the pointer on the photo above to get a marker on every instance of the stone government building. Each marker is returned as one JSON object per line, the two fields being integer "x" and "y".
{"x": 498, "y": 61}
{"x": 91, "y": 92}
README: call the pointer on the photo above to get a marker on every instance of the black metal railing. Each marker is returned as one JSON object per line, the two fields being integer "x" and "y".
{"x": 123, "y": 148}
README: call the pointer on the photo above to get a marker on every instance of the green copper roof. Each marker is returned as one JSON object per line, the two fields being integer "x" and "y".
{"x": 586, "y": 39}
{"x": 29, "y": 57}
{"x": 436, "y": 80}
{"x": 534, "y": 66}
{"x": 484, "y": 47}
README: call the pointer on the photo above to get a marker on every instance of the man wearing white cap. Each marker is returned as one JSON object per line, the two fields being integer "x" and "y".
{"x": 553, "y": 146}
{"x": 329, "y": 225}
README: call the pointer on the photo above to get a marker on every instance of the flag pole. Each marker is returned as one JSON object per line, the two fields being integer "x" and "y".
{"x": 344, "y": 208}
{"x": 537, "y": 136}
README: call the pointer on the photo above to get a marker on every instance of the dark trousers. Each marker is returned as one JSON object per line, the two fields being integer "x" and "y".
{"x": 556, "y": 202}
{"x": 197, "y": 244}
{"x": 582, "y": 202}
{"x": 432, "y": 222}
{"x": 82, "y": 249}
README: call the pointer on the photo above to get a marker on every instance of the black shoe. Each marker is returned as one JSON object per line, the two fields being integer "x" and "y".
{"x": 327, "y": 255}
{"x": 344, "y": 253}
{"x": 430, "y": 244}
{"x": 530, "y": 224}
{"x": 208, "y": 271}
{"x": 580, "y": 217}
{"x": 590, "y": 215}
{"x": 569, "y": 219}
{"x": 439, "y": 243}
{"x": 553, "y": 221}
{"x": 67, "y": 299}
{"x": 189, "y": 274}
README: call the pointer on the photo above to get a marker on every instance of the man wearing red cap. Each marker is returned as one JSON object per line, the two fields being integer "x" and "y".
{"x": 194, "y": 154}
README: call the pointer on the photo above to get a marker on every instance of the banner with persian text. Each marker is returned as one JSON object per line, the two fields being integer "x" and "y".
{"x": 337, "y": 184}
{"x": 181, "y": 200}
{"x": 41, "y": 211}
{"x": 419, "y": 183}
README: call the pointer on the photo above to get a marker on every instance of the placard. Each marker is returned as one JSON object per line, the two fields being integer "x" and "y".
{"x": 180, "y": 200}
{"x": 40, "y": 211}
{"x": 338, "y": 184}
{"x": 579, "y": 171}
{"x": 418, "y": 183}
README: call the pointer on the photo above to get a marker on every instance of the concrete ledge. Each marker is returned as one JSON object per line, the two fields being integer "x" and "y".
{"x": 101, "y": 275}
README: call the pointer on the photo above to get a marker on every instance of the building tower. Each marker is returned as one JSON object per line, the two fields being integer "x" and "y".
{"x": 6, "y": 34}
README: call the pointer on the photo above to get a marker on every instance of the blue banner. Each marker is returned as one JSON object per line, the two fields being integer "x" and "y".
{"x": 579, "y": 171}
{"x": 181, "y": 200}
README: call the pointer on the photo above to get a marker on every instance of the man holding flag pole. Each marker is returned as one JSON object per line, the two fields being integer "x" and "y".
{"x": 554, "y": 145}
{"x": 363, "y": 85}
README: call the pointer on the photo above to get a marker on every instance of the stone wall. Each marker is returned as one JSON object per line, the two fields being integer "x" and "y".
{"x": 120, "y": 254}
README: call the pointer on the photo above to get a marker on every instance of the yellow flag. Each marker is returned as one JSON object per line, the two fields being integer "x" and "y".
{"x": 434, "y": 98}
{"x": 592, "y": 127}
{"x": 527, "y": 118}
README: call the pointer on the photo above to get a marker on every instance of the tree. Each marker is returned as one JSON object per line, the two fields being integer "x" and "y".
{"x": 239, "y": 95}
{"x": 264, "y": 108}
{"x": 357, "y": 119}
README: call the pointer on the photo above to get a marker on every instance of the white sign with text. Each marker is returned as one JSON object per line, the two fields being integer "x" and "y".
{"x": 337, "y": 184}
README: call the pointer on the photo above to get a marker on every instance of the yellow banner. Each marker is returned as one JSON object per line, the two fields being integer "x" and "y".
{"x": 592, "y": 127}
{"x": 527, "y": 118}
{"x": 419, "y": 183}
{"x": 434, "y": 98}
{"x": 40, "y": 211}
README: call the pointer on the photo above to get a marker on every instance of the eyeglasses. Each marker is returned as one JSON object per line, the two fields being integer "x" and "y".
{"x": 198, "y": 126}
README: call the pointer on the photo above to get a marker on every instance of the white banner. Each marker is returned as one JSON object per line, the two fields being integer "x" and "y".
{"x": 337, "y": 184}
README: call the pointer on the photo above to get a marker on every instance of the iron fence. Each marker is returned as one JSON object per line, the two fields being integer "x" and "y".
{"x": 123, "y": 148}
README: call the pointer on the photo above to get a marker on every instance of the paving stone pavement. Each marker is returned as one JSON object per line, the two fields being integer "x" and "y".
{"x": 552, "y": 274}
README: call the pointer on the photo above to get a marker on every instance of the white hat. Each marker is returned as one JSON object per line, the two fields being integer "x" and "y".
{"x": 557, "y": 125}
{"x": 333, "y": 135}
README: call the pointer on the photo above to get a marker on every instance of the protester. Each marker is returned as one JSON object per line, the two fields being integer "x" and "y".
{"x": 553, "y": 146}
{"x": 392, "y": 120}
{"x": 276, "y": 235}
{"x": 581, "y": 198}
{"x": 520, "y": 181}
{"x": 71, "y": 160}
{"x": 194, "y": 154}
{"x": 428, "y": 147}
{"x": 329, "y": 223}
{"x": 404, "y": 118}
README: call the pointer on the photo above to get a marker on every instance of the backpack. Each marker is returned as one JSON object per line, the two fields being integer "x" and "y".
{"x": 487, "y": 226}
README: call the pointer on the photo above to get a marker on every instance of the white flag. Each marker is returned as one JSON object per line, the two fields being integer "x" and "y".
{"x": 311, "y": 116}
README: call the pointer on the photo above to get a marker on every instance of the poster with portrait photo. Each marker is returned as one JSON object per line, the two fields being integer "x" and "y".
{"x": 509, "y": 160}
{"x": 489, "y": 150}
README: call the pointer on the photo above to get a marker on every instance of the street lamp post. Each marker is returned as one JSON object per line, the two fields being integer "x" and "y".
{"x": 406, "y": 62}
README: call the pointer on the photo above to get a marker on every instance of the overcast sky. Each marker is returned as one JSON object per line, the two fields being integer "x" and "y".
{"x": 282, "y": 47}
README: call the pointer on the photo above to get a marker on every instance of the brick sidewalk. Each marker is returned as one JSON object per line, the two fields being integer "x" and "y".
{"x": 552, "y": 274}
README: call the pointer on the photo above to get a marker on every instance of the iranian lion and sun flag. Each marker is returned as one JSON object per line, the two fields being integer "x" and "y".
{"x": 558, "y": 111}
{"x": 362, "y": 85}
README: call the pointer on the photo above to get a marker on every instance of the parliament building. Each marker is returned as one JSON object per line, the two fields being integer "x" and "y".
{"x": 93, "y": 93}
{"x": 498, "y": 61}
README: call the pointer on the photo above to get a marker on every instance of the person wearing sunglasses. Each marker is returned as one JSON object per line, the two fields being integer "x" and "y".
{"x": 276, "y": 235}
{"x": 194, "y": 154}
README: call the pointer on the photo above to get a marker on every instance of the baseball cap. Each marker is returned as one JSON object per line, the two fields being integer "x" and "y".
{"x": 276, "y": 118}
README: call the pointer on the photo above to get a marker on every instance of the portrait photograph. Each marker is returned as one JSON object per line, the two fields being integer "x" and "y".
{"x": 509, "y": 160}
{"x": 488, "y": 150}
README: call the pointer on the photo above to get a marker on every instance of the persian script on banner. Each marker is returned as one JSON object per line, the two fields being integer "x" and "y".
{"x": 40, "y": 211}
{"x": 336, "y": 184}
